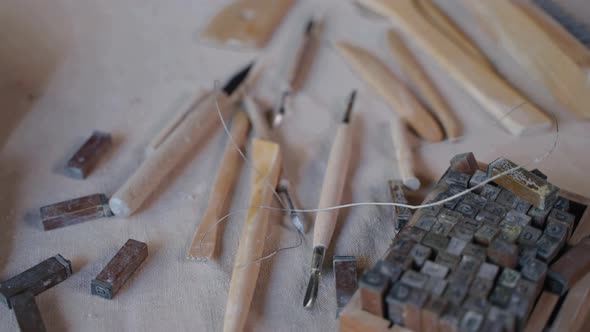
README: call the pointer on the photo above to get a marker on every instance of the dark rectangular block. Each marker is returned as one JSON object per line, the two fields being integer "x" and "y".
{"x": 119, "y": 269}
{"x": 477, "y": 178}
{"x": 420, "y": 254}
{"x": 467, "y": 209}
{"x": 521, "y": 206}
{"x": 465, "y": 163}
{"x": 471, "y": 321}
{"x": 345, "y": 280}
{"x": 540, "y": 174}
{"x": 456, "y": 246}
{"x": 506, "y": 198}
{"x": 496, "y": 209}
{"x": 489, "y": 326}
{"x": 373, "y": 286}
{"x": 414, "y": 279}
{"x": 432, "y": 312}
{"x": 527, "y": 289}
{"x": 37, "y": 279}
{"x": 436, "y": 286}
{"x": 501, "y": 296}
{"x": 442, "y": 227}
{"x": 448, "y": 260}
{"x": 403, "y": 261}
{"x": 518, "y": 218}
{"x": 86, "y": 158}
{"x": 490, "y": 192}
{"x": 535, "y": 272}
{"x": 488, "y": 218}
{"x": 463, "y": 231}
{"x": 509, "y": 231}
{"x": 413, "y": 233}
{"x": 529, "y": 236}
{"x": 475, "y": 200}
{"x": 402, "y": 214}
{"x": 557, "y": 230}
{"x": 496, "y": 314}
{"x": 412, "y": 309}
{"x": 509, "y": 278}
{"x": 486, "y": 234}
{"x": 469, "y": 265}
{"x": 27, "y": 313}
{"x": 503, "y": 253}
{"x": 564, "y": 217}
{"x": 449, "y": 215}
{"x": 425, "y": 222}
{"x": 392, "y": 271}
{"x": 539, "y": 217}
{"x": 452, "y": 190}
{"x": 400, "y": 249}
{"x": 526, "y": 255}
{"x": 75, "y": 211}
{"x": 548, "y": 247}
{"x": 481, "y": 287}
{"x": 396, "y": 299}
{"x": 451, "y": 318}
{"x": 523, "y": 183}
{"x": 457, "y": 178}
{"x": 488, "y": 271}
{"x": 434, "y": 270}
{"x": 436, "y": 242}
{"x": 569, "y": 268}
{"x": 455, "y": 293}
{"x": 520, "y": 306}
{"x": 562, "y": 204}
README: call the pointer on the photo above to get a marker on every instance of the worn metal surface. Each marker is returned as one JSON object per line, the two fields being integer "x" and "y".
{"x": 27, "y": 313}
{"x": 86, "y": 158}
{"x": 75, "y": 211}
{"x": 345, "y": 279}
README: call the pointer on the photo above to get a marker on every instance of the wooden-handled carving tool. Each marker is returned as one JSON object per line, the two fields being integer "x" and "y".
{"x": 199, "y": 123}
{"x": 266, "y": 158}
{"x": 331, "y": 195}
{"x": 380, "y": 77}
{"x": 493, "y": 93}
{"x": 403, "y": 154}
{"x": 437, "y": 17}
{"x": 204, "y": 245}
{"x": 423, "y": 86}
{"x": 247, "y": 23}
{"x": 514, "y": 31}
{"x": 262, "y": 130}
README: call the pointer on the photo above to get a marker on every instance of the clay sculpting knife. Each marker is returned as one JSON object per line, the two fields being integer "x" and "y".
{"x": 331, "y": 195}
{"x": 195, "y": 127}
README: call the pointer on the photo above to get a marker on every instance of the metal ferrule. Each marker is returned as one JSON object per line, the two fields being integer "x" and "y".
{"x": 317, "y": 259}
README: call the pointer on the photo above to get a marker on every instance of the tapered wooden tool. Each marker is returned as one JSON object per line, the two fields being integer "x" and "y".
{"x": 266, "y": 158}
{"x": 380, "y": 77}
{"x": 204, "y": 245}
{"x": 403, "y": 154}
{"x": 493, "y": 93}
{"x": 423, "y": 85}
{"x": 305, "y": 55}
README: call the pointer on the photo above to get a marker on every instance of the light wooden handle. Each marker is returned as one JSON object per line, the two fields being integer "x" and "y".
{"x": 305, "y": 57}
{"x": 204, "y": 244}
{"x": 423, "y": 85}
{"x": 403, "y": 154}
{"x": 197, "y": 125}
{"x": 333, "y": 186}
{"x": 380, "y": 77}
{"x": 494, "y": 94}
{"x": 259, "y": 122}
{"x": 267, "y": 160}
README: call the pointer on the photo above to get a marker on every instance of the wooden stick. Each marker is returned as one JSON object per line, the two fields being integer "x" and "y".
{"x": 423, "y": 85}
{"x": 542, "y": 312}
{"x": 494, "y": 95}
{"x": 197, "y": 125}
{"x": 571, "y": 313}
{"x": 354, "y": 319}
{"x": 257, "y": 118}
{"x": 305, "y": 56}
{"x": 403, "y": 154}
{"x": 266, "y": 158}
{"x": 515, "y": 31}
{"x": 380, "y": 77}
{"x": 454, "y": 33}
{"x": 204, "y": 245}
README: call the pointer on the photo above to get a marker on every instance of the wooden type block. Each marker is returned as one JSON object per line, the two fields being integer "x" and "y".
{"x": 506, "y": 198}
{"x": 488, "y": 218}
{"x": 527, "y": 254}
{"x": 412, "y": 309}
{"x": 420, "y": 254}
{"x": 434, "y": 270}
{"x": 509, "y": 232}
{"x": 455, "y": 293}
{"x": 527, "y": 289}
{"x": 471, "y": 321}
{"x": 345, "y": 280}
{"x": 562, "y": 204}
{"x": 436, "y": 286}
{"x": 127, "y": 260}
{"x": 75, "y": 211}
{"x": 393, "y": 272}
{"x": 509, "y": 278}
{"x": 442, "y": 227}
{"x": 481, "y": 287}
{"x": 425, "y": 222}
{"x": 477, "y": 178}
{"x": 496, "y": 314}
{"x": 542, "y": 312}
{"x": 486, "y": 234}
{"x": 456, "y": 246}
{"x": 569, "y": 268}
{"x": 402, "y": 214}
{"x": 520, "y": 205}
{"x": 475, "y": 200}
{"x": 501, "y": 296}
{"x": 396, "y": 299}
{"x": 520, "y": 306}
{"x": 413, "y": 233}
{"x": 564, "y": 217}
{"x": 523, "y": 183}
{"x": 37, "y": 279}
{"x": 476, "y": 303}
{"x": 534, "y": 271}
{"x": 518, "y": 218}
{"x": 490, "y": 192}
{"x": 529, "y": 236}
{"x": 456, "y": 178}
{"x": 488, "y": 271}
{"x": 548, "y": 247}
{"x": 86, "y": 158}
{"x": 538, "y": 216}
{"x": 467, "y": 209}
{"x": 27, "y": 313}
{"x": 503, "y": 253}
{"x": 450, "y": 319}
{"x": 465, "y": 163}
{"x": 373, "y": 285}
{"x": 432, "y": 312}
{"x": 496, "y": 209}
{"x": 414, "y": 279}
{"x": 354, "y": 318}
{"x": 436, "y": 241}
{"x": 448, "y": 260}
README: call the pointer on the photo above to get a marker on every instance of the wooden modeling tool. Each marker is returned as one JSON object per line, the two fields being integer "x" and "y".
{"x": 437, "y": 17}
{"x": 331, "y": 195}
{"x": 204, "y": 245}
{"x": 247, "y": 23}
{"x": 197, "y": 125}
{"x": 263, "y": 131}
{"x": 380, "y": 77}
{"x": 493, "y": 93}
{"x": 403, "y": 154}
{"x": 266, "y": 158}
{"x": 422, "y": 85}
{"x": 515, "y": 31}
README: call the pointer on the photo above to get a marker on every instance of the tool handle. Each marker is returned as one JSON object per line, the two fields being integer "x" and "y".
{"x": 259, "y": 122}
{"x": 197, "y": 125}
{"x": 333, "y": 186}
{"x": 204, "y": 243}
{"x": 305, "y": 56}
{"x": 403, "y": 154}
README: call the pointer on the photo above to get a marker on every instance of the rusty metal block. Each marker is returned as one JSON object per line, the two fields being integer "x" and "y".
{"x": 518, "y": 218}
{"x": 373, "y": 286}
{"x": 345, "y": 280}
{"x": 420, "y": 254}
{"x": 477, "y": 178}
{"x": 37, "y": 279}
{"x": 486, "y": 234}
{"x": 569, "y": 268}
{"x": 127, "y": 260}
{"x": 523, "y": 183}
{"x": 436, "y": 241}
{"x": 434, "y": 270}
{"x": 464, "y": 162}
{"x": 86, "y": 158}
{"x": 457, "y": 178}
{"x": 503, "y": 253}
{"x": 27, "y": 313}
{"x": 529, "y": 236}
{"x": 75, "y": 211}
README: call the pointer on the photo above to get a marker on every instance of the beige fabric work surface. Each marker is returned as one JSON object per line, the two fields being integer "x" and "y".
{"x": 70, "y": 67}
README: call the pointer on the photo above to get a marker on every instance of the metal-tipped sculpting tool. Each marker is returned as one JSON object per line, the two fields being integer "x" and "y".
{"x": 331, "y": 195}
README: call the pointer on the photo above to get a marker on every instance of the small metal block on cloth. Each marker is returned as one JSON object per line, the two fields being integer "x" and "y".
{"x": 86, "y": 158}
{"x": 75, "y": 211}
{"x": 345, "y": 279}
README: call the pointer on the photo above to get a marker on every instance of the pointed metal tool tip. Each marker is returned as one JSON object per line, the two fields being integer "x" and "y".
{"x": 312, "y": 289}
{"x": 309, "y": 25}
{"x": 238, "y": 78}
{"x": 350, "y": 106}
